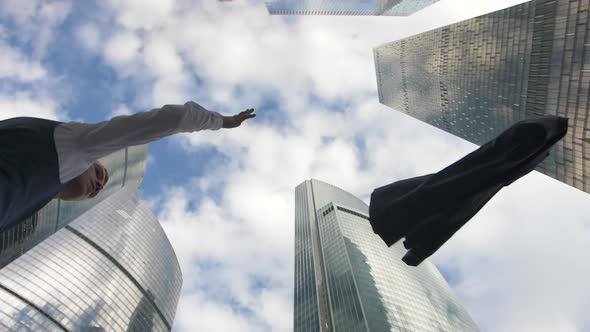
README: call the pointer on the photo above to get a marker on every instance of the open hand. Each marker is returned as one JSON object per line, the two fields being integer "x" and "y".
{"x": 236, "y": 120}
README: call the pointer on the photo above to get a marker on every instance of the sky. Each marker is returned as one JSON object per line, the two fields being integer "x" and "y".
{"x": 226, "y": 198}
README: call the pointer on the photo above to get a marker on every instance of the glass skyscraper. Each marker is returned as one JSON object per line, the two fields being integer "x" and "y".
{"x": 347, "y": 279}
{"x": 126, "y": 169}
{"x": 347, "y": 7}
{"x": 112, "y": 269}
{"x": 477, "y": 77}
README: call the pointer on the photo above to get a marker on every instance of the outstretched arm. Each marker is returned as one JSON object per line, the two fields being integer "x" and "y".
{"x": 80, "y": 144}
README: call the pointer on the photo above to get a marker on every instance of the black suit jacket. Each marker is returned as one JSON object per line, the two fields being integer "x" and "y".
{"x": 427, "y": 210}
{"x": 29, "y": 168}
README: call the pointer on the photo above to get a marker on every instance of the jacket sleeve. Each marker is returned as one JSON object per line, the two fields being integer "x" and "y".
{"x": 80, "y": 144}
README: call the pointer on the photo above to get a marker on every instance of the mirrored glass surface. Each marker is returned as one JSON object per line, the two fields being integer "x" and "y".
{"x": 360, "y": 283}
{"x": 347, "y": 7}
{"x": 112, "y": 269}
{"x": 125, "y": 167}
{"x": 477, "y": 77}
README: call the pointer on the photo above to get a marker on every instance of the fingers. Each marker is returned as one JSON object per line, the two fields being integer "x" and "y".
{"x": 246, "y": 112}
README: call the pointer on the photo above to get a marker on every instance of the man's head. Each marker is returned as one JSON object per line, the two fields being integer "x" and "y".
{"x": 87, "y": 184}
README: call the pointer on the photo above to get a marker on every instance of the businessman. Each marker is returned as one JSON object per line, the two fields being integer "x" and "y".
{"x": 42, "y": 159}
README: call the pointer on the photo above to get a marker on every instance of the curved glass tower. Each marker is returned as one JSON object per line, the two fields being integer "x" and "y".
{"x": 347, "y": 279}
{"x": 112, "y": 269}
{"x": 126, "y": 169}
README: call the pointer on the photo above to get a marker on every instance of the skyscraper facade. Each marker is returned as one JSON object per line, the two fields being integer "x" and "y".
{"x": 112, "y": 269}
{"x": 126, "y": 169}
{"x": 347, "y": 279}
{"x": 477, "y": 77}
{"x": 347, "y": 7}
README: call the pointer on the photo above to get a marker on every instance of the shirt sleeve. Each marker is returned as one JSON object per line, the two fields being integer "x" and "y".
{"x": 80, "y": 144}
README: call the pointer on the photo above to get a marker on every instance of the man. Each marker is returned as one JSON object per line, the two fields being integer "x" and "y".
{"x": 43, "y": 159}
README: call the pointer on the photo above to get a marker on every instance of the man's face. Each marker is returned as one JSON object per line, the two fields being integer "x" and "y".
{"x": 98, "y": 178}
{"x": 87, "y": 184}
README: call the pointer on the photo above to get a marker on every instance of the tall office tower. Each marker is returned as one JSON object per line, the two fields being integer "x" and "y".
{"x": 126, "y": 169}
{"x": 112, "y": 269}
{"x": 347, "y": 7}
{"x": 475, "y": 78}
{"x": 347, "y": 279}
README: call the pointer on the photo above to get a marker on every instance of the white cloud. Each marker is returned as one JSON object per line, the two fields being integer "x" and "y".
{"x": 23, "y": 104}
{"x": 204, "y": 315}
{"x": 525, "y": 253}
{"x": 213, "y": 235}
{"x": 50, "y": 16}
{"x": 55, "y": 12}
{"x": 142, "y": 14}
{"x": 165, "y": 90}
{"x": 297, "y": 58}
{"x": 119, "y": 110}
{"x": 16, "y": 65}
{"x": 122, "y": 49}
{"x": 89, "y": 36}
{"x": 35, "y": 21}
{"x": 18, "y": 10}
{"x": 28, "y": 29}
{"x": 162, "y": 60}
{"x": 276, "y": 309}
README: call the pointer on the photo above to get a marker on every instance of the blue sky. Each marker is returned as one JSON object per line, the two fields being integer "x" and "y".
{"x": 225, "y": 198}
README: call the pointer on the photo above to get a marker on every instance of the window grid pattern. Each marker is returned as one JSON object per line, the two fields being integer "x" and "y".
{"x": 57, "y": 214}
{"x": 477, "y": 77}
{"x": 395, "y": 296}
{"x": 306, "y": 310}
{"x": 347, "y": 7}
{"x": 345, "y": 307}
{"x": 369, "y": 288}
{"x": 562, "y": 60}
{"x": 17, "y": 312}
{"x": 113, "y": 225}
{"x": 70, "y": 279}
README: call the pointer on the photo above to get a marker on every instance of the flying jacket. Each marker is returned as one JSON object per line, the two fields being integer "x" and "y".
{"x": 427, "y": 210}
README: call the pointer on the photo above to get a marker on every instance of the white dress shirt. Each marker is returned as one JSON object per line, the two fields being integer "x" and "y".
{"x": 78, "y": 145}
